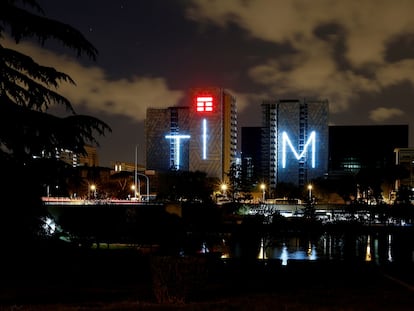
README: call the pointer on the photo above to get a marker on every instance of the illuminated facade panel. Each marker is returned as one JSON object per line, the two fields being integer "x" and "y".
{"x": 213, "y": 131}
{"x": 167, "y": 138}
{"x": 176, "y": 149}
{"x": 294, "y": 141}
{"x": 310, "y": 143}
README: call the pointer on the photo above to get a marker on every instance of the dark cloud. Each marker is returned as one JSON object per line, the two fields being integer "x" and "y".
{"x": 356, "y": 54}
{"x": 399, "y": 48}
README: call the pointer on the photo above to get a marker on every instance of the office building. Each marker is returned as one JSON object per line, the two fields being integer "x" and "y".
{"x": 166, "y": 135}
{"x": 251, "y": 155}
{"x": 213, "y": 130}
{"x": 404, "y": 157}
{"x": 90, "y": 158}
{"x": 294, "y": 141}
{"x": 199, "y": 137}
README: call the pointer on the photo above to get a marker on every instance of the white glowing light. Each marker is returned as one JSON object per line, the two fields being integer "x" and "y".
{"x": 285, "y": 255}
{"x": 204, "y": 139}
{"x": 286, "y": 140}
{"x": 177, "y": 139}
{"x": 262, "y": 251}
{"x": 390, "y": 248}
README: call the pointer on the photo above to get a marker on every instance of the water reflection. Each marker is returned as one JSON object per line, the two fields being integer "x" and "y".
{"x": 312, "y": 252}
{"x": 368, "y": 249}
{"x": 293, "y": 249}
{"x": 262, "y": 250}
{"x": 285, "y": 255}
{"x": 389, "y": 248}
{"x": 362, "y": 247}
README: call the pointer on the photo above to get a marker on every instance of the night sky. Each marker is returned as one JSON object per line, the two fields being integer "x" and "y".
{"x": 359, "y": 55}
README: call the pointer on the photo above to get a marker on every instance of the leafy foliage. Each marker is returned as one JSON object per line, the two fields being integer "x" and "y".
{"x": 27, "y": 131}
{"x": 24, "y": 24}
{"x": 28, "y": 89}
{"x": 185, "y": 186}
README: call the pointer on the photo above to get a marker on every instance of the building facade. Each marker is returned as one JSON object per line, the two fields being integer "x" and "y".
{"x": 213, "y": 130}
{"x": 90, "y": 158}
{"x": 166, "y": 136}
{"x": 199, "y": 137}
{"x": 294, "y": 141}
{"x": 251, "y": 155}
{"x": 404, "y": 157}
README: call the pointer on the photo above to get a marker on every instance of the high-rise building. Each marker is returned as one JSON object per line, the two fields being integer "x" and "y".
{"x": 167, "y": 134}
{"x": 199, "y": 137}
{"x": 90, "y": 158}
{"x": 213, "y": 130}
{"x": 251, "y": 155}
{"x": 404, "y": 157}
{"x": 294, "y": 141}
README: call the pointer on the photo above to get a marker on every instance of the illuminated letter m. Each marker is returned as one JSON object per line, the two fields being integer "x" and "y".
{"x": 286, "y": 140}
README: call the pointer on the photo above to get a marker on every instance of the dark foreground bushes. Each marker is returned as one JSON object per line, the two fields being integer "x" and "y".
{"x": 125, "y": 279}
{"x": 175, "y": 278}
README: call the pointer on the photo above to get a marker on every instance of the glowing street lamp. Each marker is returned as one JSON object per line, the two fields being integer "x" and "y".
{"x": 133, "y": 188}
{"x": 263, "y": 187}
{"x": 310, "y": 192}
{"x": 93, "y": 189}
{"x": 139, "y": 185}
{"x": 223, "y": 188}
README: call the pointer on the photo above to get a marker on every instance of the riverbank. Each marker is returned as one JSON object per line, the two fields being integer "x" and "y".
{"x": 125, "y": 280}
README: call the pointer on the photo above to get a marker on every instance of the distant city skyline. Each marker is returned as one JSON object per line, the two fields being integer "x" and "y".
{"x": 357, "y": 55}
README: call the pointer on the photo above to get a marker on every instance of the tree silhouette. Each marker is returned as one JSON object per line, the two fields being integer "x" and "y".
{"x": 28, "y": 89}
{"x": 187, "y": 186}
{"x": 27, "y": 131}
{"x": 121, "y": 184}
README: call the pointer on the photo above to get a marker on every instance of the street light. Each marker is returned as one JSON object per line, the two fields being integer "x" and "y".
{"x": 137, "y": 183}
{"x": 93, "y": 189}
{"x": 223, "y": 189}
{"x": 263, "y": 187}
{"x": 310, "y": 192}
{"x": 140, "y": 174}
{"x": 135, "y": 173}
{"x": 133, "y": 188}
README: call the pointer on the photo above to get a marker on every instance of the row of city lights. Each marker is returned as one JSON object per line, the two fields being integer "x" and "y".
{"x": 223, "y": 189}
{"x": 263, "y": 188}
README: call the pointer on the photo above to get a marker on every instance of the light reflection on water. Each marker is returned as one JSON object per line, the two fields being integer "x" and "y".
{"x": 364, "y": 247}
